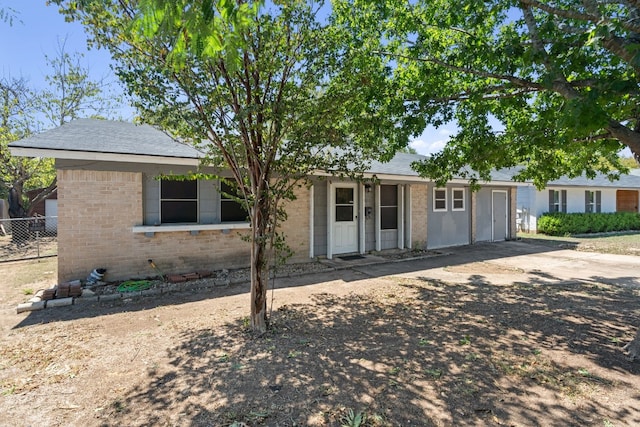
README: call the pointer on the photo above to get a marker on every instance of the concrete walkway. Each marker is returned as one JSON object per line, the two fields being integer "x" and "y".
{"x": 514, "y": 261}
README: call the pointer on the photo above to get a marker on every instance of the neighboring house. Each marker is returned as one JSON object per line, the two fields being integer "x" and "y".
{"x": 47, "y": 206}
{"x": 577, "y": 195}
{"x": 115, "y": 213}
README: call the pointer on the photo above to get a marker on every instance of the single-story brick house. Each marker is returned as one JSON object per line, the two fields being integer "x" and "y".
{"x": 114, "y": 213}
{"x": 577, "y": 195}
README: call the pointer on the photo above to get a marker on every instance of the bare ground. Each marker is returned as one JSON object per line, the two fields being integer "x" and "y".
{"x": 399, "y": 351}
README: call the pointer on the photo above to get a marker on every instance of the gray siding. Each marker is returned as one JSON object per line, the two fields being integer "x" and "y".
{"x": 151, "y": 197}
{"x": 320, "y": 217}
{"x": 483, "y": 215}
{"x": 448, "y": 228}
{"x": 388, "y": 239}
{"x": 370, "y": 221}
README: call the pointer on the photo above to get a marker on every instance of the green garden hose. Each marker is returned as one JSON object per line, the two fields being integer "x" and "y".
{"x": 134, "y": 285}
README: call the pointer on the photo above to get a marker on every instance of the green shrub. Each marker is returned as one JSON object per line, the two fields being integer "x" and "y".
{"x": 561, "y": 224}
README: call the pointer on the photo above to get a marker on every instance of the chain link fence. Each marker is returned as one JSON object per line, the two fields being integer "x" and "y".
{"x": 28, "y": 238}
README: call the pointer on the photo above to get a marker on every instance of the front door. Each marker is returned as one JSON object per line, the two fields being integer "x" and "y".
{"x": 499, "y": 215}
{"x": 627, "y": 201}
{"x": 345, "y": 219}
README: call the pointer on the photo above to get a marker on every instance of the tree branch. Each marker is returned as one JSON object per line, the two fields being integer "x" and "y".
{"x": 520, "y": 82}
{"x": 579, "y": 16}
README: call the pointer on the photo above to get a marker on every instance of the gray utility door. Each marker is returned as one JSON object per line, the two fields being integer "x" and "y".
{"x": 345, "y": 219}
{"x": 499, "y": 215}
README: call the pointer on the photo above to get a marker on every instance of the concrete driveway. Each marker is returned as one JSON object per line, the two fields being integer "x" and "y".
{"x": 513, "y": 262}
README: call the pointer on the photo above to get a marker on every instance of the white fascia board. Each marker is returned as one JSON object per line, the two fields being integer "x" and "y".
{"x": 412, "y": 178}
{"x": 104, "y": 157}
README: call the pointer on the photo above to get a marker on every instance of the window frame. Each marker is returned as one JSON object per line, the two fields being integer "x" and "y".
{"x": 346, "y": 206}
{"x": 224, "y": 200}
{"x": 592, "y": 201}
{"x": 162, "y": 200}
{"x": 561, "y": 202}
{"x": 387, "y": 208}
{"x": 555, "y": 205}
{"x": 453, "y": 199}
{"x": 435, "y": 200}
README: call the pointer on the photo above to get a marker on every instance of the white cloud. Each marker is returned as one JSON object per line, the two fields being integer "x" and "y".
{"x": 425, "y": 148}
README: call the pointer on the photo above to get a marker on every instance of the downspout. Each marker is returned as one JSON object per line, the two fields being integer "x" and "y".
{"x": 376, "y": 204}
{"x": 361, "y": 219}
{"x": 407, "y": 234}
{"x": 400, "y": 216}
{"x": 311, "y": 223}
{"x": 330, "y": 210}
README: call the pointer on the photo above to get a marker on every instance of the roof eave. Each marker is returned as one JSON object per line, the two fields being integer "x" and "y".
{"x": 419, "y": 179}
{"x": 102, "y": 156}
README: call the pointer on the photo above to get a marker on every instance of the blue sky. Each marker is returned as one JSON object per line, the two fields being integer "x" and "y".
{"x": 38, "y": 29}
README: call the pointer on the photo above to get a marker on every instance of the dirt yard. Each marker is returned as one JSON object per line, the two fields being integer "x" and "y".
{"x": 385, "y": 351}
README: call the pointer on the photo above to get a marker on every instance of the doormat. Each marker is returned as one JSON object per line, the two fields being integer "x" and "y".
{"x": 350, "y": 257}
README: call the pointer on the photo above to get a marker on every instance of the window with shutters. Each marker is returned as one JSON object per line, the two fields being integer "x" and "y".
{"x": 558, "y": 201}
{"x": 592, "y": 201}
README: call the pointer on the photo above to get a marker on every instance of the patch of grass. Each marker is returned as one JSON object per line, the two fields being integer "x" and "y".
{"x": 27, "y": 291}
{"x": 22, "y": 273}
{"x": 353, "y": 419}
{"x": 569, "y": 383}
{"x": 434, "y": 373}
{"x": 424, "y": 342}
{"x": 466, "y": 340}
{"x": 8, "y": 391}
{"x": 293, "y": 354}
{"x": 624, "y": 243}
{"x": 118, "y": 405}
{"x": 246, "y": 322}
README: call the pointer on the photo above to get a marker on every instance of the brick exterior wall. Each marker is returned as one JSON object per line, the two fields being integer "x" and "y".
{"x": 296, "y": 227}
{"x": 96, "y": 213}
{"x": 513, "y": 207}
{"x": 98, "y": 209}
{"x": 474, "y": 216}
{"x": 419, "y": 197}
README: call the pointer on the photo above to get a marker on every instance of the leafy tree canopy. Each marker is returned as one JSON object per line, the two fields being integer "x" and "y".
{"x": 24, "y": 110}
{"x": 549, "y": 85}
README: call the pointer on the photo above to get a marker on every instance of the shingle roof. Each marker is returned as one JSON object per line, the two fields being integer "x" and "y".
{"x": 626, "y": 181}
{"x": 399, "y": 165}
{"x": 108, "y": 136}
{"x": 117, "y": 137}
{"x": 598, "y": 181}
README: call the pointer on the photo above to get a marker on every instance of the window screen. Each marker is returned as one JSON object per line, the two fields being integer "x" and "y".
{"x": 230, "y": 209}
{"x": 388, "y": 207}
{"x": 178, "y": 201}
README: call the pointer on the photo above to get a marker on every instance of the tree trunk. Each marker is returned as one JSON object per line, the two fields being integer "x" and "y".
{"x": 259, "y": 267}
{"x": 46, "y": 192}
{"x": 633, "y": 348}
{"x": 627, "y": 136}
